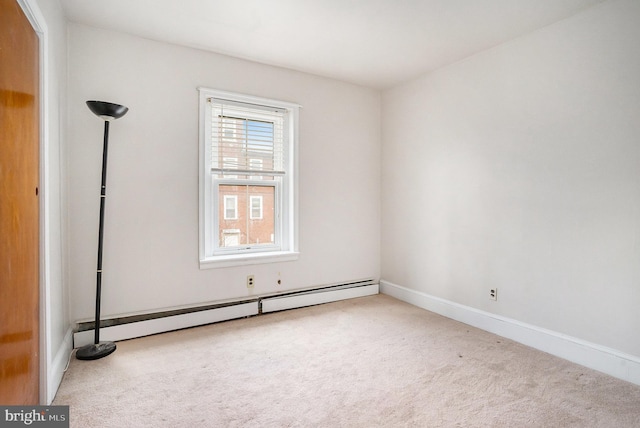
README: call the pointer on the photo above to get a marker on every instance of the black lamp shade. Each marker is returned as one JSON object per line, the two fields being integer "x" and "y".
{"x": 107, "y": 111}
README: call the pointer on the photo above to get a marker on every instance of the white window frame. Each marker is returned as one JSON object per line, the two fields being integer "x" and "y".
{"x": 286, "y": 192}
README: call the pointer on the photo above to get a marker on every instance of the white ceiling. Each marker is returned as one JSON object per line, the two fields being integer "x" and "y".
{"x": 376, "y": 43}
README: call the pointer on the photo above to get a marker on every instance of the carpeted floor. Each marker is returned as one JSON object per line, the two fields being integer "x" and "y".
{"x": 366, "y": 362}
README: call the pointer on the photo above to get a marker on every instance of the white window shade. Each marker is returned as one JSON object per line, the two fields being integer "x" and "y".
{"x": 247, "y": 138}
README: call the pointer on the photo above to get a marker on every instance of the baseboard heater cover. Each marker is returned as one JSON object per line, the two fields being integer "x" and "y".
{"x": 144, "y": 325}
{"x": 318, "y": 296}
{"x": 130, "y": 330}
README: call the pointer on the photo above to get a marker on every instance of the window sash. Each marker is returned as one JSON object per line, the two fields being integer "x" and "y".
{"x": 247, "y": 132}
{"x": 277, "y": 221}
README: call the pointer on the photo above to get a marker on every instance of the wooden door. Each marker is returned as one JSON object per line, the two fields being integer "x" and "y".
{"x": 19, "y": 208}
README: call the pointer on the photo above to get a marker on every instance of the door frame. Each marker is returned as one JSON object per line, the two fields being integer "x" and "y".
{"x": 37, "y": 21}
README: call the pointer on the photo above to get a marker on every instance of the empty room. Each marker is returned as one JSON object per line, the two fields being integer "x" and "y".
{"x": 320, "y": 213}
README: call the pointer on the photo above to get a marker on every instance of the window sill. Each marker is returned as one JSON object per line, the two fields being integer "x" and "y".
{"x": 215, "y": 262}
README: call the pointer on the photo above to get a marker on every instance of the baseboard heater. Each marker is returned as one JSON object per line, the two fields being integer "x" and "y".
{"x": 129, "y": 327}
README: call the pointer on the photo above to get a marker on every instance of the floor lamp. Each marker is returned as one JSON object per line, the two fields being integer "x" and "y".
{"x": 107, "y": 112}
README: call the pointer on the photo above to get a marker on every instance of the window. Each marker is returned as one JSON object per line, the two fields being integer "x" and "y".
{"x": 230, "y": 207}
{"x": 229, "y": 163}
{"x": 255, "y": 165}
{"x": 247, "y": 179}
{"x": 256, "y": 207}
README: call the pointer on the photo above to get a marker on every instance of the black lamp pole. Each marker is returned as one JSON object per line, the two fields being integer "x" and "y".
{"x": 107, "y": 112}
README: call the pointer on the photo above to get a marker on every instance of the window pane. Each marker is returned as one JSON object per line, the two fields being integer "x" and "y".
{"x": 254, "y": 223}
{"x": 252, "y": 135}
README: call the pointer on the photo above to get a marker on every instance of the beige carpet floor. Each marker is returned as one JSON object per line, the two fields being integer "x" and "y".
{"x": 367, "y": 362}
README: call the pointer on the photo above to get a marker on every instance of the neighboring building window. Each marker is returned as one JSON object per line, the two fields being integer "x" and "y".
{"x": 256, "y": 165}
{"x": 256, "y": 207}
{"x": 230, "y": 207}
{"x": 247, "y": 179}
{"x": 230, "y": 164}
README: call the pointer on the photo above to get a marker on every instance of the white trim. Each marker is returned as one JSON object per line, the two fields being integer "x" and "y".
{"x": 205, "y": 188}
{"x": 59, "y": 365}
{"x": 248, "y": 259}
{"x": 36, "y": 19}
{"x": 162, "y": 325}
{"x": 292, "y": 209}
{"x": 249, "y": 99}
{"x": 610, "y": 361}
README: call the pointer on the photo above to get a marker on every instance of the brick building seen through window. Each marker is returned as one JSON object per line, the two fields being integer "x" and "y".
{"x": 246, "y": 215}
{"x": 246, "y": 211}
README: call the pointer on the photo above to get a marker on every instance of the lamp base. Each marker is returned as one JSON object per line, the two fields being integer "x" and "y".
{"x": 95, "y": 351}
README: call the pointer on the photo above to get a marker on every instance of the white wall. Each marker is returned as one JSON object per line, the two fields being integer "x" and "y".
{"x": 519, "y": 168}
{"x": 151, "y": 229}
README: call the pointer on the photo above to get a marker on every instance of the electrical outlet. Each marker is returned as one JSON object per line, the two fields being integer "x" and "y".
{"x": 250, "y": 280}
{"x": 493, "y": 294}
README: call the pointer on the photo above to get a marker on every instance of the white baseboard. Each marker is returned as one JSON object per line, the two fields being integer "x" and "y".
{"x": 281, "y": 303}
{"x": 162, "y": 325}
{"x": 58, "y": 365}
{"x": 610, "y": 361}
